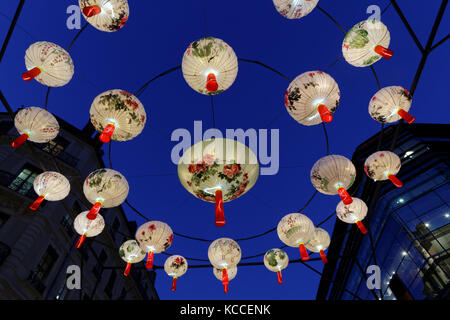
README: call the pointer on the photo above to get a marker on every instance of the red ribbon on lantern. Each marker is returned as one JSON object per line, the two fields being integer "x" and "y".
{"x": 94, "y": 210}
{"x": 80, "y": 241}
{"x": 31, "y": 74}
{"x": 325, "y": 113}
{"x": 280, "y": 279}
{"x": 106, "y": 134}
{"x": 127, "y": 269}
{"x": 225, "y": 280}
{"x": 37, "y": 203}
{"x": 303, "y": 252}
{"x": 211, "y": 83}
{"x": 220, "y": 214}
{"x": 20, "y": 140}
{"x": 361, "y": 227}
{"x": 406, "y": 116}
{"x": 91, "y": 11}
{"x": 323, "y": 256}
{"x": 345, "y": 197}
{"x": 384, "y": 52}
{"x": 174, "y": 284}
{"x": 149, "y": 263}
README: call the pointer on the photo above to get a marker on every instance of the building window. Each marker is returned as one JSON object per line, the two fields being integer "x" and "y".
{"x": 43, "y": 269}
{"x": 110, "y": 285}
{"x": 55, "y": 146}
{"x": 23, "y": 183}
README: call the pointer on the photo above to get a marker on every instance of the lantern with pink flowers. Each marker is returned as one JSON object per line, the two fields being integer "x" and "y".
{"x": 353, "y": 213}
{"x": 224, "y": 253}
{"x": 131, "y": 252}
{"x": 334, "y": 174}
{"x": 230, "y": 275}
{"x": 296, "y": 230}
{"x": 276, "y": 260}
{"x": 154, "y": 237}
{"x": 391, "y": 104}
{"x": 294, "y": 9}
{"x": 86, "y": 227}
{"x": 105, "y": 15}
{"x": 383, "y": 165}
{"x": 319, "y": 243}
{"x": 175, "y": 266}
{"x": 312, "y": 97}
{"x": 51, "y": 186}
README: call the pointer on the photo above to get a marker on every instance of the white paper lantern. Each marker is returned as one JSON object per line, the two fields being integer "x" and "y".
{"x": 175, "y": 266}
{"x": 383, "y": 165}
{"x": 294, "y": 9}
{"x": 391, "y": 104}
{"x": 319, "y": 243}
{"x": 353, "y": 213}
{"x": 225, "y": 277}
{"x": 131, "y": 252}
{"x": 276, "y": 260}
{"x": 296, "y": 230}
{"x": 105, "y": 15}
{"x": 154, "y": 237}
{"x": 224, "y": 253}
{"x": 86, "y": 227}
{"x": 51, "y": 186}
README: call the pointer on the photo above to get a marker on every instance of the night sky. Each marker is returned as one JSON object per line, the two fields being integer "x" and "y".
{"x": 154, "y": 40}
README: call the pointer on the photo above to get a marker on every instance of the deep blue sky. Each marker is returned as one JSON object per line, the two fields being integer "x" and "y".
{"x": 155, "y": 38}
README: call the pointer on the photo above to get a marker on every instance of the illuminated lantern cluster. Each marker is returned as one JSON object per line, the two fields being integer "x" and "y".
{"x": 224, "y": 253}
{"x": 218, "y": 170}
{"x": 276, "y": 260}
{"x": 391, "y": 104}
{"x": 49, "y": 64}
{"x": 296, "y": 230}
{"x": 353, "y": 213}
{"x": 334, "y": 174}
{"x": 209, "y": 66}
{"x": 294, "y": 9}
{"x": 366, "y": 43}
{"x": 51, "y": 186}
{"x": 319, "y": 243}
{"x": 86, "y": 227}
{"x": 105, "y": 188}
{"x": 131, "y": 252}
{"x": 105, "y": 15}
{"x": 175, "y": 266}
{"x": 118, "y": 115}
{"x": 383, "y": 165}
{"x": 154, "y": 237}
{"x": 312, "y": 97}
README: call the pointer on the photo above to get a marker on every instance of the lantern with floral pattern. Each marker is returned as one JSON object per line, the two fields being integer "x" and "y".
{"x": 334, "y": 174}
{"x": 294, "y": 9}
{"x": 319, "y": 243}
{"x": 353, "y": 213}
{"x": 105, "y": 15}
{"x": 175, "y": 266}
{"x": 49, "y": 64}
{"x": 224, "y": 253}
{"x": 209, "y": 66}
{"x": 86, "y": 227}
{"x": 366, "y": 43}
{"x": 391, "y": 104}
{"x": 154, "y": 237}
{"x": 383, "y": 165}
{"x": 51, "y": 186}
{"x": 218, "y": 170}
{"x": 276, "y": 260}
{"x": 230, "y": 275}
{"x": 296, "y": 230}
{"x": 131, "y": 252}
{"x": 118, "y": 115}
{"x": 312, "y": 97}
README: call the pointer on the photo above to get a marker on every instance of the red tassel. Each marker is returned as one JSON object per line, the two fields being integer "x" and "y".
{"x": 211, "y": 83}
{"x": 225, "y": 280}
{"x": 220, "y": 214}
{"x": 174, "y": 284}
{"x": 323, "y": 256}
{"x": 361, "y": 227}
{"x": 345, "y": 197}
{"x": 303, "y": 252}
{"x": 384, "y": 52}
{"x": 225, "y": 287}
{"x": 406, "y": 116}
{"x": 31, "y": 74}
{"x": 37, "y": 203}
{"x": 325, "y": 114}
{"x": 91, "y": 11}
{"x": 94, "y": 210}
{"x": 106, "y": 134}
{"x": 149, "y": 263}
{"x": 20, "y": 140}
{"x": 280, "y": 279}
{"x": 395, "y": 181}
{"x": 80, "y": 241}
{"x": 127, "y": 269}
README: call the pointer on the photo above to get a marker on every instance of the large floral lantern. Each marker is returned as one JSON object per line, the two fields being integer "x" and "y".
{"x": 118, "y": 115}
{"x": 35, "y": 124}
{"x": 154, "y": 237}
{"x": 391, "y": 104}
{"x": 175, "y": 266}
{"x": 105, "y": 15}
{"x": 383, "y": 165}
{"x": 86, "y": 227}
{"x": 296, "y": 230}
{"x": 312, "y": 97}
{"x": 224, "y": 253}
{"x": 209, "y": 66}
{"x": 334, "y": 174}
{"x": 276, "y": 260}
{"x": 319, "y": 243}
{"x": 218, "y": 170}
{"x": 131, "y": 252}
{"x": 49, "y": 64}
{"x": 230, "y": 275}
{"x": 51, "y": 186}
{"x": 353, "y": 213}
{"x": 366, "y": 43}
{"x": 294, "y": 9}
{"x": 105, "y": 188}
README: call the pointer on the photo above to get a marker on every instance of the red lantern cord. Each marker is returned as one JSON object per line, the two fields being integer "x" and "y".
{"x": 225, "y": 280}
{"x": 280, "y": 279}
{"x": 345, "y": 197}
{"x": 106, "y": 134}
{"x": 406, "y": 116}
{"x": 127, "y": 269}
{"x": 361, "y": 227}
{"x": 211, "y": 83}
{"x": 174, "y": 284}
{"x": 37, "y": 203}
{"x": 323, "y": 256}
{"x": 20, "y": 140}
{"x": 220, "y": 214}
{"x": 80, "y": 241}
{"x": 303, "y": 252}
{"x": 395, "y": 181}
{"x": 384, "y": 52}
{"x": 94, "y": 210}
{"x": 31, "y": 74}
{"x": 91, "y": 11}
{"x": 149, "y": 263}
{"x": 325, "y": 114}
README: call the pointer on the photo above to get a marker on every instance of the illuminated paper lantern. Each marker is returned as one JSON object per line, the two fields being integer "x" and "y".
{"x": 105, "y": 15}
{"x": 154, "y": 237}
{"x": 49, "y": 64}
{"x": 35, "y": 124}
{"x": 230, "y": 275}
{"x": 51, "y": 186}
{"x": 209, "y": 66}
{"x": 296, "y": 230}
{"x": 319, "y": 243}
{"x": 383, "y": 165}
{"x": 105, "y": 188}
{"x": 224, "y": 253}
{"x": 391, "y": 104}
{"x": 276, "y": 260}
{"x": 131, "y": 252}
{"x": 353, "y": 213}
{"x": 334, "y": 174}
{"x": 366, "y": 43}
{"x": 218, "y": 170}
{"x": 175, "y": 266}
{"x": 118, "y": 115}
{"x": 312, "y": 97}
{"x": 86, "y": 227}
{"x": 294, "y": 9}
